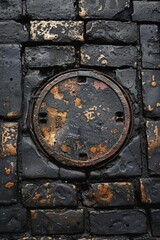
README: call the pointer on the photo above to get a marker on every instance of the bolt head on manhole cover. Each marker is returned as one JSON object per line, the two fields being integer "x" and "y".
{"x": 81, "y": 118}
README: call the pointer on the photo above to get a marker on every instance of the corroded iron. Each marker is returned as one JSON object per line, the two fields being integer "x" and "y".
{"x": 81, "y": 118}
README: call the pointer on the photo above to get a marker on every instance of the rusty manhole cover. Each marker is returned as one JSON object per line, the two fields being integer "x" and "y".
{"x": 81, "y": 118}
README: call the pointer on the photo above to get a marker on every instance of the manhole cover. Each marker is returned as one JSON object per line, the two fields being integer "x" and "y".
{"x": 81, "y": 118}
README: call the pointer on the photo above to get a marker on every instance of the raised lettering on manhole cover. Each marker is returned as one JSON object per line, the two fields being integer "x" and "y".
{"x": 81, "y": 118}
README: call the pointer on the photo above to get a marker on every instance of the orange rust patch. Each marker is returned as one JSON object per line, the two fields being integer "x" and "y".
{"x": 153, "y": 144}
{"x": 56, "y": 94}
{"x": 55, "y": 120}
{"x": 8, "y": 171}
{"x": 65, "y": 148}
{"x": 37, "y": 196}
{"x": 9, "y": 185}
{"x": 158, "y": 104}
{"x": 99, "y": 149}
{"x": 34, "y": 214}
{"x": 11, "y": 149}
{"x": 144, "y": 198}
{"x": 12, "y": 114}
{"x": 104, "y": 193}
{"x": 154, "y": 84}
{"x": 71, "y": 86}
{"x": 150, "y": 108}
{"x": 99, "y": 85}
{"x": 78, "y": 103}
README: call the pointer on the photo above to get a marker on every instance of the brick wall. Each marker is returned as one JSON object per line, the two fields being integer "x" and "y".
{"x": 40, "y": 200}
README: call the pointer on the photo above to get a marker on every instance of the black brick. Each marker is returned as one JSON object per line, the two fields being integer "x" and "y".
{"x": 10, "y": 80}
{"x": 57, "y": 222}
{"x": 111, "y": 31}
{"x": 8, "y": 162}
{"x": 127, "y": 164}
{"x": 57, "y": 31}
{"x": 108, "y": 55}
{"x": 49, "y": 194}
{"x": 109, "y": 194}
{"x": 150, "y": 190}
{"x": 10, "y": 9}
{"x": 118, "y": 222}
{"x": 103, "y": 9}
{"x": 153, "y": 132}
{"x": 49, "y": 56}
{"x": 146, "y": 11}
{"x": 12, "y": 220}
{"x": 61, "y": 9}
{"x": 34, "y": 164}
{"x": 151, "y": 90}
{"x": 71, "y": 174}
{"x": 155, "y": 222}
{"x": 12, "y": 32}
{"x": 150, "y": 46}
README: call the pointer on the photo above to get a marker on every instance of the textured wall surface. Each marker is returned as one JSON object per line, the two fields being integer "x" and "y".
{"x": 39, "y": 199}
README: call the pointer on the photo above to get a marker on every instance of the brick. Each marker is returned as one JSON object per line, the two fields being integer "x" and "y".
{"x": 62, "y": 9}
{"x": 146, "y": 11}
{"x": 10, "y": 9}
{"x": 34, "y": 164}
{"x": 57, "y": 222}
{"x": 57, "y": 31}
{"x": 118, "y": 222}
{"x": 108, "y": 55}
{"x": 153, "y": 132}
{"x": 12, "y": 32}
{"x": 111, "y": 31}
{"x": 10, "y": 80}
{"x": 151, "y": 89}
{"x": 109, "y": 194}
{"x": 49, "y": 56}
{"x": 49, "y": 194}
{"x": 155, "y": 222}
{"x": 150, "y": 190}
{"x": 149, "y": 38}
{"x": 128, "y": 163}
{"x": 12, "y": 220}
{"x": 128, "y": 79}
{"x": 103, "y": 9}
{"x": 8, "y": 162}
{"x": 71, "y": 174}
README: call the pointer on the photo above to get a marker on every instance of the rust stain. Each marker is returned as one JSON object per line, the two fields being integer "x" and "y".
{"x": 12, "y": 114}
{"x": 158, "y": 104}
{"x": 78, "y": 103}
{"x": 154, "y": 84}
{"x": 150, "y": 108}
{"x": 56, "y": 93}
{"x": 99, "y": 149}
{"x": 55, "y": 120}
{"x": 71, "y": 86}
{"x": 11, "y": 149}
{"x": 7, "y": 171}
{"x": 144, "y": 198}
{"x": 37, "y": 196}
{"x": 104, "y": 193}
{"x": 154, "y": 143}
{"x": 46, "y": 185}
{"x": 9, "y": 185}
{"x": 99, "y": 85}
{"x": 65, "y": 148}
{"x": 34, "y": 214}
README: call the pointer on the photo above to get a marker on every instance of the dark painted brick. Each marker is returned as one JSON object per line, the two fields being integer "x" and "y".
{"x": 49, "y": 56}
{"x": 118, "y": 222}
{"x": 155, "y": 222}
{"x": 34, "y": 164}
{"x": 150, "y": 190}
{"x": 111, "y": 31}
{"x": 151, "y": 90}
{"x": 103, "y": 9}
{"x": 109, "y": 194}
{"x": 150, "y": 46}
{"x": 10, "y": 9}
{"x": 8, "y": 162}
{"x": 10, "y": 79}
{"x": 57, "y": 31}
{"x": 108, "y": 55}
{"x": 127, "y": 164}
{"x": 61, "y": 9}
{"x": 108, "y": 238}
{"x": 71, "y": 174}
{"x": 153, "y": 133}
{"x": 57, "y": 222}
{"x": 128, "y": 79}
{"x": 12, "y": 220}
{"x": 49, "y": 194}
{"x": 12, "y": 32}
{"x": 146, "y": 11}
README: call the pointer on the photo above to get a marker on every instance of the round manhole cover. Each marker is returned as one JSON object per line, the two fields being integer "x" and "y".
{"x": 81, "y": 118}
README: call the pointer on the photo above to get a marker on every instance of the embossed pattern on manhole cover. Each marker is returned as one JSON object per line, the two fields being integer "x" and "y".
{"x": 81, "y": 118}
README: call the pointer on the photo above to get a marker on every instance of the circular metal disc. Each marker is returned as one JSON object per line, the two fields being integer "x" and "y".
{"x": 81, "y": 118}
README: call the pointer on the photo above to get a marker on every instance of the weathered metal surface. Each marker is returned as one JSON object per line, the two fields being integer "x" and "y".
{"x": 81, "y": 118}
